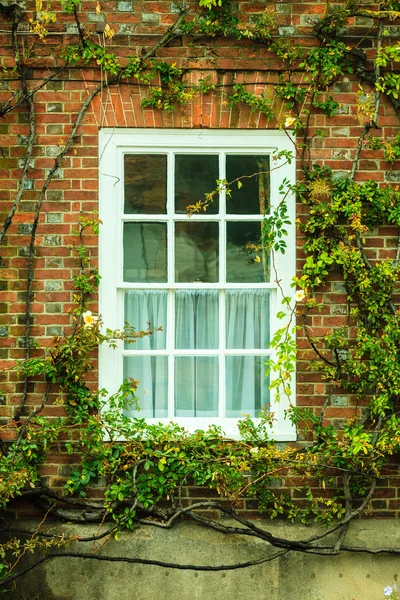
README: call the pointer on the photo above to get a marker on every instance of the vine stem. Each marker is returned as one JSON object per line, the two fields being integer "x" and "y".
{"x": 32, "y": 132}
{"x": 144, "y": 561}
{"x": 372, "y": 124}
{"x": 57, "y": 161}
{"x": 8, "y": 107}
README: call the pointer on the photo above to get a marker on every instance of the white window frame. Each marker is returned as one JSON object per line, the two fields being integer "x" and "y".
{"x": 113, "y": 144}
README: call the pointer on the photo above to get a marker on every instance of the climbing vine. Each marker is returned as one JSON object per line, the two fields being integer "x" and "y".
{"x": 144, "y": 476}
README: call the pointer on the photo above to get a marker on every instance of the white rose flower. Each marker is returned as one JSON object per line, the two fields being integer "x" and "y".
{"x": 299, "y": 295}
{"x": 88, "y": 319}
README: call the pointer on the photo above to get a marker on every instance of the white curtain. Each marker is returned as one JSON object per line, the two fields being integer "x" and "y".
{"x": 196, "y": 328}
{"x": 143, "y": 307}
{"x": 247, "y": 327}
{"x": 152, "y": 392}
{"x": 196, "y": 319}
{"x": 247, "y": 319}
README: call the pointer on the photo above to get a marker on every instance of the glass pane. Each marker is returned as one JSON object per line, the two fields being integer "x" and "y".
{"x": 145, "y": 252}
{"x": 195, "y": 175}
{"x": 152, "y": 392}
{"x": 253, "y": 197}
{"x": 196, "y": 252}
{"x": 196, "y": 386}
{"x": 145, "y": 179}
{"x": 247, "y": 386}
{"x": 244, "y": 262}
{"x": 247, "y": 319}
{"x": 144, "y": 308}
{"x": 196, "y": 319}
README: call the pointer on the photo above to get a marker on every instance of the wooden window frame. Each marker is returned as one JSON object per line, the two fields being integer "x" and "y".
{"x": 113, "y": 144}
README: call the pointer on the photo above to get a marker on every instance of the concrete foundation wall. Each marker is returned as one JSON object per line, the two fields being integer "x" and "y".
{"x": 292, "y": 577}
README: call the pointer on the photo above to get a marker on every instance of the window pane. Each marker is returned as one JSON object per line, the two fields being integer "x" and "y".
{"x": 247, "y": 319}
{"x": 144, "y": 308}
{"x": 253, "y": 198}
{"x": 196, "y": 319}
{"x": 196, "y": 252}
{"x": 244, "y": 263}
{"x": 196, "y": 386}
{"x": 195, "y": 175}
{"x": 145, "y": 252}
{"x": 145, "y": 179}
{"x": 247, "y": 387}
{"x": 152, "y": 392}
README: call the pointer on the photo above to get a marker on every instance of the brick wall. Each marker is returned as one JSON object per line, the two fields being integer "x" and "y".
{"x": 138, "y": 25}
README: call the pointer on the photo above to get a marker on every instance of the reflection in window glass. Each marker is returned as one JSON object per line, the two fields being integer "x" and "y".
{"x": 245, "y": 263}
{"x": 195, "y": 175}
{"x": 247, "y": 387}
{"x": 145, "y": 181}
{"x": 196, "y": 252}
{"x": 253, "y": 198}
{"x": 196, "y": 386}
{"x": 152, "y": 391}
{"x": 145, "y": 252}
{"x": 144, "y": 308}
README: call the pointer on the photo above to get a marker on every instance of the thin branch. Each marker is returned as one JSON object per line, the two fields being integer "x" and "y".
{"x": 326, "y": 404}
{"x": 312, "y": 343}
{"x": 361, "y": 139}
{"x": 81, "y": 29}
{"x": 6, "y": 109}
{"x": 359, "y": 549}
{"x": 166, "y": 38}
{"x": 32, "y": 135}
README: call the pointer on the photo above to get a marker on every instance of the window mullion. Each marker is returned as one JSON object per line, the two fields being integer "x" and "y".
{"x": 118, "y": 274}
{"x": 222, "y": 294}
{"x": 222, "y": 226}
{"x": 170, "y": 225}
{"x": 170, "y": 348}
{"x": 222, "y": 340}
{"x": 171, "y": 279}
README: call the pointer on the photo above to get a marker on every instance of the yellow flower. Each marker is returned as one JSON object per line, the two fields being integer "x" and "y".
{"x": 88, "y": 319}
{"x": 299, "y": 295}
{"x": 108, "y": 32}
{"x": 289, "y": 121}
{"x": 257, "y": 259}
